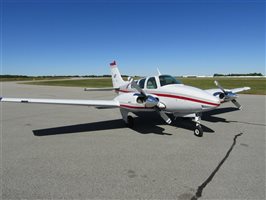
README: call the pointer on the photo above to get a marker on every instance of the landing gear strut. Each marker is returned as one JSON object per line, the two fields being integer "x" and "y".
{"x": 198, "y": 129}
{"x": 128, "y": 119}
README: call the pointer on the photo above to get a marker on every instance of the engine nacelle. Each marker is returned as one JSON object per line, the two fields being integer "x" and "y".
{"x": 229, "y": 96}
{"x": 148, "y": 101}
{"x": 221, "y": 96}
{"x": 136, "y": 99}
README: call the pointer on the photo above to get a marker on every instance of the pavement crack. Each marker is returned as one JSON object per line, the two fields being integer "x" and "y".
{"x": 198, "y": 194}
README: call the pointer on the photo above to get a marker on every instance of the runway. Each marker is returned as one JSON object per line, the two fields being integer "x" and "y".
{"x": 72, "y": 152}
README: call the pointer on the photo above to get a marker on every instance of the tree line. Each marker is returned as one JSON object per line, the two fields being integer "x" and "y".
{"x": 249, "y": 74}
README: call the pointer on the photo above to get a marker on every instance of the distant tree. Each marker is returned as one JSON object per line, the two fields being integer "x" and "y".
{"x": 106, "y": 75}
{"x": 13, "y": 76}
{"x": 218, "y": 75}
{"x": 249, "y": 74}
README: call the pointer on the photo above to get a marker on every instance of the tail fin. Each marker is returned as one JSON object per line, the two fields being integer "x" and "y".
{"x": 116, "y": 76}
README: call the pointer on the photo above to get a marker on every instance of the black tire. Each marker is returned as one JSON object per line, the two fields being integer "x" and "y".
{"x": 130, "y": 121}
{"x": 198, "y": 131}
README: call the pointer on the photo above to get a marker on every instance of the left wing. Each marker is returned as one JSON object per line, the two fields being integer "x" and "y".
{"x": 74, "y": 102}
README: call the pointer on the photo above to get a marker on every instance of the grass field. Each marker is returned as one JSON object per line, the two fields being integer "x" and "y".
{"x": 90, "y": 83}
{"x": 258, "y": 85}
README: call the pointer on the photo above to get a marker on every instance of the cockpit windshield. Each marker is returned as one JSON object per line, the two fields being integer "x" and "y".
{"x": 168, "y": 80}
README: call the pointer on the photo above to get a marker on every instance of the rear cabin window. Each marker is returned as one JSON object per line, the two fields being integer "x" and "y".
{"x": 168, "y": 80}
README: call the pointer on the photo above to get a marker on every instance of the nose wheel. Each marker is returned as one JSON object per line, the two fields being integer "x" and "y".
{"x": 198, "y": 129}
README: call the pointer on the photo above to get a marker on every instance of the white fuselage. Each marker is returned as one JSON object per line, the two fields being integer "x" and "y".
{"x": 176, "y": 98}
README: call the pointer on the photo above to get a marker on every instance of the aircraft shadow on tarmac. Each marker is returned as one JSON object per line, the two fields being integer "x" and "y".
{"x": 209, "y": 116}
{"x": 144, "y": 123}
{"x": 150, "y": 126}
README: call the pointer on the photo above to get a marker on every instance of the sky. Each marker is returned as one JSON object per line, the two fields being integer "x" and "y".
{"x": 68, "y": 37}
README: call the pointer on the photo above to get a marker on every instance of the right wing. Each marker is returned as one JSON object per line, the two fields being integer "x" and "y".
{"x": 74, "y": 102}
{"x": 236, "y": 90}
{"x": 216, "y": 91}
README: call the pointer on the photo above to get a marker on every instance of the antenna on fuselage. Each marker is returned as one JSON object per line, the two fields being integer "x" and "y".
{"x": 159, "y": 73}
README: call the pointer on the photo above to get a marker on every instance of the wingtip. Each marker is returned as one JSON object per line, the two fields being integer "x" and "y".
{"x": 1, "y": 98}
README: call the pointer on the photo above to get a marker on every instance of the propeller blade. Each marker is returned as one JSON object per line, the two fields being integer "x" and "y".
{"x": 163, "y": 115}
{"x": 235, "y": 102}
{"x": 136, "y": 86}
{"x": 219, "y": 86}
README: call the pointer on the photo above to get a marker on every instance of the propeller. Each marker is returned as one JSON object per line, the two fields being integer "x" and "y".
{"x": 151, "y": 101}
{"x": 136, "y": 86}
{"x": 235, "y": 102}
{"x": 228, "y": 95}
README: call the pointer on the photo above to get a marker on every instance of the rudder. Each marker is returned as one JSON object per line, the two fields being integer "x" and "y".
{"x": 116, "y": 76}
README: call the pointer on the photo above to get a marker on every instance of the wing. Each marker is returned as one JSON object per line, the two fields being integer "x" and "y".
{"x": 236, "y": 90}
{"x": 74, "y": 102}
{"x": 99, "y": 89}
{"x": 218, "y": 90}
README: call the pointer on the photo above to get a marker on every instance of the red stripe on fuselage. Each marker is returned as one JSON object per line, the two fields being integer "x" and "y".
{"x": 125, "y": 91}
{"x": 186, "y": 98}
{"x": 178, "y": 97}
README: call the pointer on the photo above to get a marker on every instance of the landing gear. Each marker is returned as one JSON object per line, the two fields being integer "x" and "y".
{"x": 128, "y": 119}
{"x": 198, "y": 129}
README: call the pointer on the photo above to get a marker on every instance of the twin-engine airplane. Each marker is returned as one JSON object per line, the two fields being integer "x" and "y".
{"x": 162, "y": 94}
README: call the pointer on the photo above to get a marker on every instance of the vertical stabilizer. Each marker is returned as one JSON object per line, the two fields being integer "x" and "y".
{"x": 116, "y": 76}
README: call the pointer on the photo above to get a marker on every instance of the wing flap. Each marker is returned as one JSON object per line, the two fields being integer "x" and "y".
{"x": 74, "y": 102}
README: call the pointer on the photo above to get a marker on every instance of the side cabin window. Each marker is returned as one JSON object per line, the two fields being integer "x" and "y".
{"x": 141, "y": 83}
{"x": 168, "y": 80}
{"x": 151, "y": 83}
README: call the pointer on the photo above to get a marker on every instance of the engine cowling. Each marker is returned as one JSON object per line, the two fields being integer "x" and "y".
{"x": 228, "y": 96}
{"x": 221, "y": 96}
{"x": 148, "y": 101}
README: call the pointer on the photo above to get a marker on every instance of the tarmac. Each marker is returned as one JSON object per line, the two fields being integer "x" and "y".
{"x": 72, "y": 152}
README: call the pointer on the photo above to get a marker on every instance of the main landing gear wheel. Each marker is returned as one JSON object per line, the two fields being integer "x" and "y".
{"x": 198, "y": 131}
{"x": 130, "y": 121}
